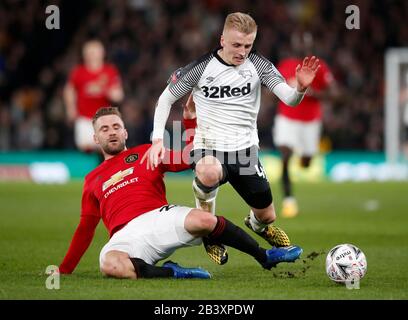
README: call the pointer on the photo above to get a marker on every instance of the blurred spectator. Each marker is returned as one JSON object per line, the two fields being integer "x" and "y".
{"x": 91, "y": 85}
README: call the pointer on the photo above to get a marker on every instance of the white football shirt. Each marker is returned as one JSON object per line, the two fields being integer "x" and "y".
{"x": 227, "y": 99}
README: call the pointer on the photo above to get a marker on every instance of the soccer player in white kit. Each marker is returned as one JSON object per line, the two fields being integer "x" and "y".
{"x": 226, "y": 89}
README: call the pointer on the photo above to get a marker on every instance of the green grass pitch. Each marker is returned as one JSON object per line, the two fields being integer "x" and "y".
{"x": 38, "y": 221}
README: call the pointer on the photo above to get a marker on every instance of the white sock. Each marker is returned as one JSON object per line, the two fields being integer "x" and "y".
{"x": 257, "y": 226}
{"x": 204, "y": 201}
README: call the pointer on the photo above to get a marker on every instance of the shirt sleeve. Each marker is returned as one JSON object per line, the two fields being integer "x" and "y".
{"x": 175, "y": 161}
{"x": 84, "y": 233}
{"x": 288, "y": 95}
{"x": 267, "y": 72}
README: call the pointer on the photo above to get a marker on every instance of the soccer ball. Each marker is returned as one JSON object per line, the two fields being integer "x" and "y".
{"x": 346, "y": 262}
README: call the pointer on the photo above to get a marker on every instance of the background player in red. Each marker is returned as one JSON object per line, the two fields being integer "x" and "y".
{"x": 91, "y": 85}
{"x": 143, "y": 227}
{"x": 298, "y": 129}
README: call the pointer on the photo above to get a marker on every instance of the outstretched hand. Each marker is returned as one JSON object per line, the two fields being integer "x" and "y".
{"x": 306, "y": 73}
{"x": 154, "y": 155}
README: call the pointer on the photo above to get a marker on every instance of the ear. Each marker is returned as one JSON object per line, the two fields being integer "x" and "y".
{"x": 95, "y": 138}
{"x": 222, "y": 41}
{"x": 126, "y": 135}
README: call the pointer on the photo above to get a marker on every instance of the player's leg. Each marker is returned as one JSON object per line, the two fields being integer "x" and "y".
{"x": 309, "y": 146}
{"x": 249, "y": 179}
{"x": 286, "y": 138}
{"x": 260, "y": 221}
{"x": 305, "y": 161}
{"x": 289, "y": 204}
{"x": 286, "y": 153}
{"x": 119, "y": 264}
{"x": 132, "y": 252}
{"x": 209, "y": 174}
{"x": 220, "y": 229}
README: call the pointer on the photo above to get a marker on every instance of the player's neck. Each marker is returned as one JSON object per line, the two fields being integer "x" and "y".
{"x": 220, "y": 53}
{"x": 107, "y": 156}
{"x": 94, "y": 66}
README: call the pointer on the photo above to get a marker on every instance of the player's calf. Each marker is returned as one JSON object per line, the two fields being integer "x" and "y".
{"x": 260, "y": 218}
{"x": 273, "y": 235}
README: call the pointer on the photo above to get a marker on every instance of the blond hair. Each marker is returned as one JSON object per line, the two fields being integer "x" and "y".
{"x": 241, "y": 22}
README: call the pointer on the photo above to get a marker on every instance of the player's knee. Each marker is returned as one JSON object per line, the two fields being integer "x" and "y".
{"x": 286, "y": 153}
{"x": 200, "y": 223}
{"x": 209, "y": 171}
{"x": 209, "y": 174}
{"x": 112, "y": 267}
{"x": 206, "y": 222}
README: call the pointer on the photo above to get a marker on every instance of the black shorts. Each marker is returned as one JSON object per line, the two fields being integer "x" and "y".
{"x": 243, "y": 170}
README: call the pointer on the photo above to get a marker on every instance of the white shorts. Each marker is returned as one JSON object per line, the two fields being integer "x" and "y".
{"x": 153, "y": 236}
{"x": 302, "y": 137}
{"x": 84, "y": 133}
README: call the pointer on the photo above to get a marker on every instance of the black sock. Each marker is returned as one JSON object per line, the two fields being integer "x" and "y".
{"x": 145, "y": 270}
{"x": 286, "y": 183}
{"x": 231, "y": 235}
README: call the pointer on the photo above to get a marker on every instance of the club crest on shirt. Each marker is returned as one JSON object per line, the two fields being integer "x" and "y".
{"x": 245, "y": 73}
{"x": 117, "y": 177}
{"x": 132, "y": 158}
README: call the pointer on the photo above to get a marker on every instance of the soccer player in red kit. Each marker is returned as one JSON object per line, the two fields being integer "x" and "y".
{"x": 298, "y": 129}
{"x": 91, "y": 85}
{"x": 143, "y": 227}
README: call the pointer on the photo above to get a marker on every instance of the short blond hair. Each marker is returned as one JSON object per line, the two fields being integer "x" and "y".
{"x": 240, "y": 21}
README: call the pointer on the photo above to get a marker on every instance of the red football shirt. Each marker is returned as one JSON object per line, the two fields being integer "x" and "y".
{"x": 91, "y": 87}
{"x": 119, "y": 190}
{"x": 310, "y": 108}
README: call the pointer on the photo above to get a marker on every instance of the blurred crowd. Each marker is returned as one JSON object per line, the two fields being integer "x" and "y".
{"x": 148, "y": 39}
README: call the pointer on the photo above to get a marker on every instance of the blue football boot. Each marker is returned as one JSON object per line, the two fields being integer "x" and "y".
{"x": 187, "y": 273}
{"x": 282, "y": 254}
